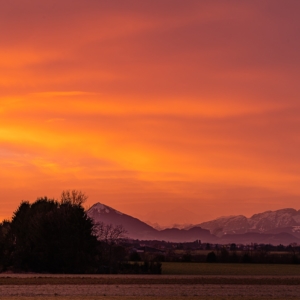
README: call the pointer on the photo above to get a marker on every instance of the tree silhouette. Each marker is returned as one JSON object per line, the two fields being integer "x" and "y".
{"x": 108, "y": 236}
{"x": 6, "y": 244}
{"x": 53, "y": 237}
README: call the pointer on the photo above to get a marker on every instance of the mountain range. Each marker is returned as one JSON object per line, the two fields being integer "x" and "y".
{"x": 272, "y": 227}
{"x": 269, "y": 222}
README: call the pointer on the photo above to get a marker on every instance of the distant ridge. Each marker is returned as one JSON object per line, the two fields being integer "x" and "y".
{"x": 283, "y": 220}
{"x": 273, "y": 227}
{"x": 136, "y": 229}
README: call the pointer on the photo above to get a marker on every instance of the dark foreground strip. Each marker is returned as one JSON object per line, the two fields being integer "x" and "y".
{"x": 143, "y": 280}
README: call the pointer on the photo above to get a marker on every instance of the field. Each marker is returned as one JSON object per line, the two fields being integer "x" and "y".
{"x": 178, "y": 281}
{"x": 225, "y": 297}
{"x": 230, "y": 269}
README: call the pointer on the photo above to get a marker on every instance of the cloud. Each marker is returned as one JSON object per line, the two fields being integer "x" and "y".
{"x": 140, "y": 100}
{"x": 60, "y": 93}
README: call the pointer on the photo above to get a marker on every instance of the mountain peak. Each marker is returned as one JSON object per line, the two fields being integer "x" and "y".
{"x": 103, "y": 209}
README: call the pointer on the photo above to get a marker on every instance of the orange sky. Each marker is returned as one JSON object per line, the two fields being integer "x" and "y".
{"x": 171, "y": 111}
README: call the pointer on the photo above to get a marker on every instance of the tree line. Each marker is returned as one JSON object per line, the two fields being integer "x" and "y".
{"x": 57, "y": 236}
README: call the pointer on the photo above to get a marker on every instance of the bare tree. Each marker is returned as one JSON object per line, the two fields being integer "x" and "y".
{"x": 109, "y": 236}
{"x": 74, "y": 197}
{"x": 108, "y": 233}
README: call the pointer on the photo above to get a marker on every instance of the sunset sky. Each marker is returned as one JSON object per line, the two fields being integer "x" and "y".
{"x": 170, "y": 111}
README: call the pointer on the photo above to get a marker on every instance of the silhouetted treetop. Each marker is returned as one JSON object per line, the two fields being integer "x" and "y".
{"x": 53, "y": 237}
{"x": 73, "y": 197}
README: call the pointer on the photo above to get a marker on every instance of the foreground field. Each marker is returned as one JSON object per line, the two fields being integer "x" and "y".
{"x": 152, "y": 291}
{"x": 193, "y": 281}
{"x": 148, "y": 298}
{"x": 93, "y": 281}
{"x": 153, "y": 287}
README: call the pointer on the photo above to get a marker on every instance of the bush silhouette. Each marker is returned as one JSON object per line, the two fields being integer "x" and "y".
{"x": 211, "y": 257}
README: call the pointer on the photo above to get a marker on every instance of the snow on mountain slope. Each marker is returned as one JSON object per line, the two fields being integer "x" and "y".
{"x": 261, "y": 222}
{"x": 227, "y": 225}
{"x": 102, "y": 209}
{"x": 265, "y": 221}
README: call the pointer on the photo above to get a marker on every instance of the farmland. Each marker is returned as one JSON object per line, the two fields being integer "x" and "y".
{"x": 178, "y": 281}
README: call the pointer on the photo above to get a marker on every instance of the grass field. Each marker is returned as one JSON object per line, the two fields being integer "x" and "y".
{"x": 230, "y": 269}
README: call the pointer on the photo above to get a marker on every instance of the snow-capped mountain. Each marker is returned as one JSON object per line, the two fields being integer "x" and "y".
{"x": 268, "y": 220}
{"x": 134, "y": 227}
{"x": 283, "y": 220}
